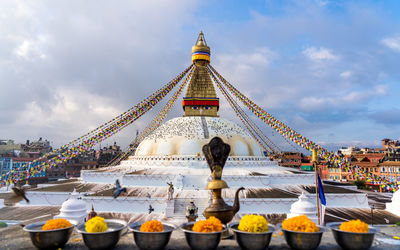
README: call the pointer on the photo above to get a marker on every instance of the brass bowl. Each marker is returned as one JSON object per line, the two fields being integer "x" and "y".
{"x": 104, "y": 240}
{"x": 151, "y": 240}
{"x": 252, "y": 241}
{"x": 350, "y": 240}
{"x": 201, "y": 241}
{"x": 303, "y": 240}
{"x": 48, "y": 239}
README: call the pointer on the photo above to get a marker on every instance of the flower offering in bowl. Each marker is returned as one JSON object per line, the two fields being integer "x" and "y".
{"x": 252, "y": 232}
{"x": 151, "y": 235}
{"x": 99, "y": 233}
{"x": 203, "y": 234}
{"x": 353, "y": 235}
{"x": 52, "y": 234}
{"x": 301, "y": 233}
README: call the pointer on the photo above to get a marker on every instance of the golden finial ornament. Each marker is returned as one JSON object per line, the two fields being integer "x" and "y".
{"x": 200, "y": 51}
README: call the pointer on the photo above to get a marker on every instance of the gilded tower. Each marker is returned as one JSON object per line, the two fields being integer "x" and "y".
{"x": 200, "y": 99}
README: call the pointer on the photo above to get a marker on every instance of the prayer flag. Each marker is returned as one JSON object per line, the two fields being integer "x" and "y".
{"x": 321, "y": 201}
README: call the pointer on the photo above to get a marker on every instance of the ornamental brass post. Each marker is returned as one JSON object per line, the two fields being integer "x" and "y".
{"x": 216, "y": 153}
{"x": 315, "y": 164}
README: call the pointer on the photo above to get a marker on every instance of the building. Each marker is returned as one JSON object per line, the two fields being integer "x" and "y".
{"x": 107, "y": 154}
{"x": 73, "y": 167}
{"x": 18, "y": 164}
{"x": 291, "y": 159}
{"x": 14, "y": 156}
{"x": 388, "y": 144}
{"x": 390, "y": 170}
{"x": 33, "y": 150}
{"x": 348, "y": 150}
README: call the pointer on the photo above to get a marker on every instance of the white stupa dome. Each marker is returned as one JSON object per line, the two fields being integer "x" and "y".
{"x": 187, "y": 135}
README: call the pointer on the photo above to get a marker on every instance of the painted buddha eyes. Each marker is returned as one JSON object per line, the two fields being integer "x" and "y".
{"x": 205, "y": 107}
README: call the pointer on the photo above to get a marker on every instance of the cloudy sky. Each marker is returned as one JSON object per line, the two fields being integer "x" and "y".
{"x": 329, "y": 69}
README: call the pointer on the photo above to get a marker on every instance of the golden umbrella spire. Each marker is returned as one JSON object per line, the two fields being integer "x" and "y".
{"x": 200, "y": 51}
{"x": 200, "y": 99}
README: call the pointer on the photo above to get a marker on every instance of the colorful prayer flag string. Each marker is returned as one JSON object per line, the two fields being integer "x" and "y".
{"x": 87, "y": 141}
{"x": 304, "y": 142}
{"x": 155, "y": 123}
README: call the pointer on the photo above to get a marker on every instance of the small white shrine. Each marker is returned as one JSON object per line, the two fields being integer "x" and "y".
{"x": 73, "y": 209}
{"x": 304, "y": 206}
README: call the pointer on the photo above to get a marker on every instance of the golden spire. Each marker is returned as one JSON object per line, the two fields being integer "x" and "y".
{"x": 200, "y": 51}
{"x": 200, "y": 99}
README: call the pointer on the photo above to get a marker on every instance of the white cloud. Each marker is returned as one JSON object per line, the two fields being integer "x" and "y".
{"x": 240, "y": 67}
{"x": 246, "y": 61}
{"x": 314, "y": 103}
{"x": 27, "y": 50}
{"x": 346, "y": 74}
{"x": 392, "y": 42}
{"x": 73, "y": 108}
{"x": 320, "y": 54}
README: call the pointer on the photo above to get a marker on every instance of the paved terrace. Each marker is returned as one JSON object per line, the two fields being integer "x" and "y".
{"x": 13, "y": 237}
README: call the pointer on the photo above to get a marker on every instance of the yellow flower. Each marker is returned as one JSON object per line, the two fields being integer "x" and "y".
{"x": 56, "y": 224}
{"x": 355, "y": 226}
{"x": 300, "y": 223}
{"x": 96, "y": 225}
{"x": 253, "y": 224}
{"x": 152, "y": 226}
{"x": 210, "y": 225}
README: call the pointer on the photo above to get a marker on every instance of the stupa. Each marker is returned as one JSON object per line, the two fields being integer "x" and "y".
{"x": 73, "y": 208}
{"x": 168, "y": 168}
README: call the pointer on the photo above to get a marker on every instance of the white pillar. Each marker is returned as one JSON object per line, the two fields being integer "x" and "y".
{"x": 169, "y": 209}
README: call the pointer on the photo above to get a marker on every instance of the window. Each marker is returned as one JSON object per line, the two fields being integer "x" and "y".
{"x": 206, "y": 107}
{"x": 194, "y": 107}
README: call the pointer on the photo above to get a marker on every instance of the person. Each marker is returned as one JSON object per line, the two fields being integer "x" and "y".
{"x": 170, "y": 194}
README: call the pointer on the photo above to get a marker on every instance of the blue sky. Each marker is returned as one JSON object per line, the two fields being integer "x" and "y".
{"x": 329, "y": 69}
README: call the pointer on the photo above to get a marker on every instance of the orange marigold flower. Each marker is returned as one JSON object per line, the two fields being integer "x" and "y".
{"x": 210, "y": 225}
{"x": 355, "y": 226}
{"x": 56, "y": 224}
{"x": 301, "y": 224}
{"x": 152, "y": 226}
